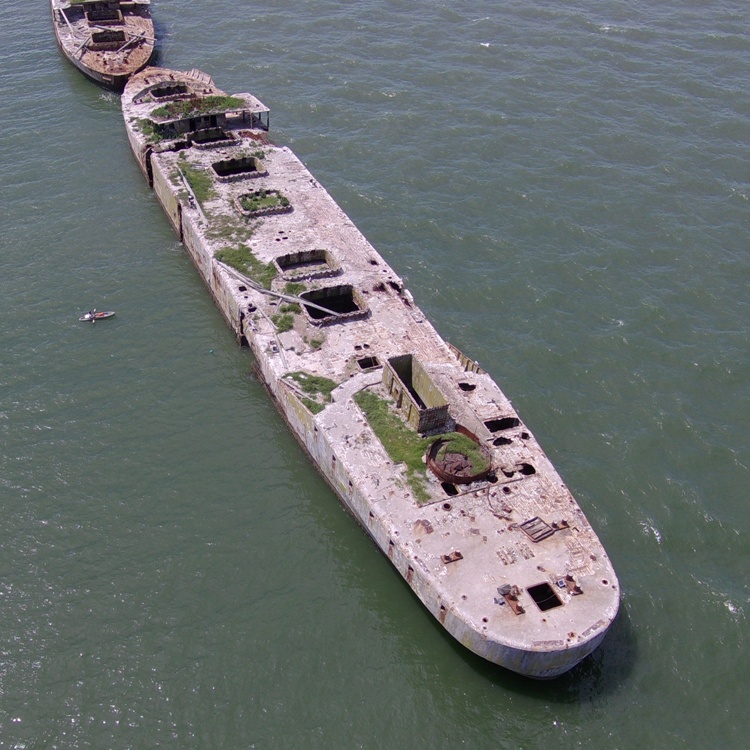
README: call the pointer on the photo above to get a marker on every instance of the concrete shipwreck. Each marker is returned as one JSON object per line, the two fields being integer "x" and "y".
{"x": 414, "y": 437}
{"x": 107, "y": 40}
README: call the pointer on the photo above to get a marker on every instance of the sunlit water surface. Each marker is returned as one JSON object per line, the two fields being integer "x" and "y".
{"x": 565, "y": 189}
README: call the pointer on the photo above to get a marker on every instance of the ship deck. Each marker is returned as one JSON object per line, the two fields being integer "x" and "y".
{"x": 509, "y": 559}
{"x": 107, "y": 48}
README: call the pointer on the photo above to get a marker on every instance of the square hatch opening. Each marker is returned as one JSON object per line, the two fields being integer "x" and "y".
{"x": 307, "y": 264}
{"x": 544, "y": 596}
{"x": 169, "y": 91}
{"x": 246, "y": 166}
{"x": 106, "y": 40}
{"x": 505, "y": 423}
{"x": 210, "y": 137}
{"x": 368, "y": 363}
{"x": 103, "y": 16}
{"x": 334, "y": 303}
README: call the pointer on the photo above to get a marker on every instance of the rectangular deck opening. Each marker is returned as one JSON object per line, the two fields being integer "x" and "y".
{"x": 169, "y": 91}
{"x": 505, "y": 423}
{"x": 210, "y": 135}
{"x": 342, "y": 300}
{"x": 368, "y": 363}
{"x": 544, "y": 596}
{"x": 307, "y": 264}
{"x": 103, "y": 15}
{"x": 107, "y": 40}
{"x": 247, "y": 166}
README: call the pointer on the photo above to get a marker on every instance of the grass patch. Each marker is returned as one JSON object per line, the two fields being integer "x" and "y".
{"x": 316, "y": 386}
{"x": 457, "y": 443}
{"x": 261, "y": 199}
{"x": 284, "y": 322}
{"x": 227, "y": 228}
{"x": 150, "y": 130}
{"x": 200, "y": 182}
{"x": 198, "y": 106}
{"x": 290, "y": 307}
{"x": 242, "y": 259}
{"x": 294, "y": 288}
{"x": 314, "y": 406}
{"x": 405, "y": 446}
{"x": 258, "y": 154}
{"x": 316, "y": 343}
{"x": 402, "y": 444}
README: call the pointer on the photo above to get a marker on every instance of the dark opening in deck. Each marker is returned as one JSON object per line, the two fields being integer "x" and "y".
{"x": 169, "y": 91}
{"x": 307, "y": 264}
{"x": 245, "y": 166}
{"x": 506, "y": 423}
{"x": 544, "y": 596}
{"x": 338, "y": 299}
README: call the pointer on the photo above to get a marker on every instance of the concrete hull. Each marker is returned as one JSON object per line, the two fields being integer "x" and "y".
{"x": 339, "y": 441}
{"x": 112, "y": 82}
{"x": 108, "y": 68}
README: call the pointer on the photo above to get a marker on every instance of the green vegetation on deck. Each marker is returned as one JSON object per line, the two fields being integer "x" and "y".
{"x": 262, "y": 199}
{"x": 455, "y": 442}
{"x": 150, "y": 130}
{"x": 283, "y": 321}
{"x": 317, "y": 387}
{"x": 242, "y": 259}
{"x": 294, "y": 288}
{"x": 200, "y": 182}
{"x": 404, "y": 446}
{"x": 401, "y": 443}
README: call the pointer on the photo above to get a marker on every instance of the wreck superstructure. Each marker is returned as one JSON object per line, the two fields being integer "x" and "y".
{"x": 107, "y": 40}
{"x": 480, "y": 525}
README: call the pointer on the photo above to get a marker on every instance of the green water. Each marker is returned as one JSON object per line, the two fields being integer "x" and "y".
{"x": 565, "y": 190}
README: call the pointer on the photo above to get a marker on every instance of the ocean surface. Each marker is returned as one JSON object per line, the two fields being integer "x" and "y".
{"x": 564, "y": 188}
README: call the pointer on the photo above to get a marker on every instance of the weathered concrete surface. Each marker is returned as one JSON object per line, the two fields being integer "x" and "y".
{"x": 107, "y": 40}
{"x": 474, "y": 554}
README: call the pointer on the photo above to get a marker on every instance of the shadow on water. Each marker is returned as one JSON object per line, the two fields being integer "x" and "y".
{"x": 602, "y": 673}
{"x": 161, "y": 31}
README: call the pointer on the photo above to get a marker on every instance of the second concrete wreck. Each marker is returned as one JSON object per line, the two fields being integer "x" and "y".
{"x": 415, "y": 438}
{"x": 107, "y": 40}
